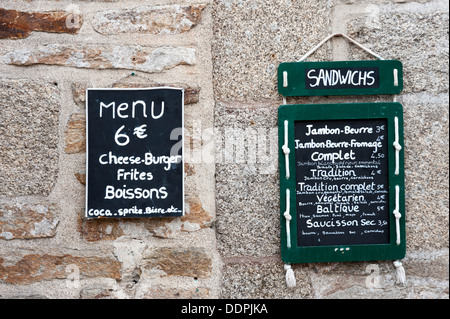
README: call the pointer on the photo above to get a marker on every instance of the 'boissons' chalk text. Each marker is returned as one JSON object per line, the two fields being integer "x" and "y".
{"x": 135, "y": 193}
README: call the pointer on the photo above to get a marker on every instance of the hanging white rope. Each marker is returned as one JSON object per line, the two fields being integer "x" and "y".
{"x": 286, "y": 149}
{"x": 401, "y": 276}
{"x": 397, "y": 213}
{"x": 290, "y": 276}
{"x": 339, "y": 35}
{"x": 397, "y": 147}
{"x": 287, "y": 215}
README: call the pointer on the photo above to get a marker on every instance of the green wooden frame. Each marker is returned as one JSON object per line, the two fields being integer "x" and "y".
{"x": 295, "y": 76}
{"x": 292, "y": 113}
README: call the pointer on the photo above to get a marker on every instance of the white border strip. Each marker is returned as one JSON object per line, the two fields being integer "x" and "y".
{"x": 397, "y": 147}
{"x": 286, "y": 149}
{"x": 287, "y": 215}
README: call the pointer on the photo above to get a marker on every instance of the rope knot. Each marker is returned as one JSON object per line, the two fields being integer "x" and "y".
{"x": 286, "y": 149}
{"x": 287, "y": 216}
{"x": 397, "y": 214}
{"x": 397, "y": 146}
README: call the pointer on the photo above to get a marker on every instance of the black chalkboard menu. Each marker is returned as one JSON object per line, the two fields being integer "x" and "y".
{"x": 341, "y": 182}
{"x": 134, "y": 155}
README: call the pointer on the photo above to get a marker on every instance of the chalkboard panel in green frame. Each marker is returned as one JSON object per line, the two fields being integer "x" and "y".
{"x": 341, "y": 182}
{"x": 369, "y": 77}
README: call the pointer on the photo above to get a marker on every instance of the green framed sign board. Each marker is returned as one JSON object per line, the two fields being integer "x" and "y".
{"x": 341, "y": 182}
{"x": 369, "y": 77}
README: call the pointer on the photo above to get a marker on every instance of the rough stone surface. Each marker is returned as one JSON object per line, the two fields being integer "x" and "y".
{"x": 24, "y": 221}
{"x": 191, "y": 94}
{"x": 247, "y": 278}
{"x": 378, "y": 1}
{"x": 429, "y": 264}
{"x": 171, "y": 293}
{"x": 42, "y": 267}
{"x": 196, "y": 218}
{"x": 426, "y": 278}
{"x": 97, "y": 292}
{"x": 75, "y": 134}
{"x": 361, "y": 280}
{"x": 99, "y": 229}
{"x": 417, "y": 35}
{"x": 168, "y": 19}
{"x": 426, "y": 128}
{"x": 17, "y": 24}
{"x": 247, "y": 211}
{"x": 247, "y": 191}
{"x": 23, "y": 296}
{"x": 79, "y": 93}
{"x": 151, "y": 60}
{"x": 81, "y": 177}
{"x": 29, "y": 113}
{"x": 129, "y": 252}
{"x": 179, "y": 261}
{"x": 251, "y": 38}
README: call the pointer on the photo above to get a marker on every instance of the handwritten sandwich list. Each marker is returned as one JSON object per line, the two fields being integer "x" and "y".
{"x": 342, "y": 182}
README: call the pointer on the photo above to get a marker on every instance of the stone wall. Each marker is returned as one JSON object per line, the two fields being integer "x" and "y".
{"x": 50, "y": 52}
{"x": 225, "y": 54}
{"x": 250, "y": 39}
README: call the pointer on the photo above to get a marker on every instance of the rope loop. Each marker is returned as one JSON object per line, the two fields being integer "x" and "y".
{"x": 344, "y": 36}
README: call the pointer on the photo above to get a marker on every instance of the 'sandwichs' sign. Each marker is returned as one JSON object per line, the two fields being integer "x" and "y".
{"x": 134, "y": 164}
{"x": 340, "y": 78}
